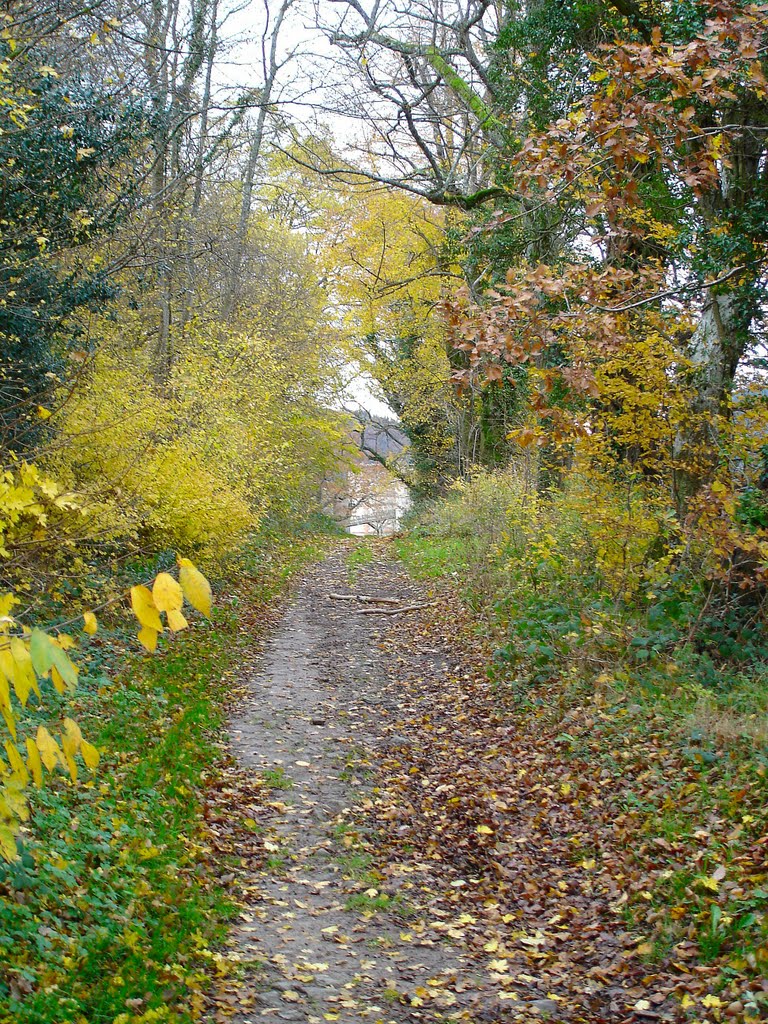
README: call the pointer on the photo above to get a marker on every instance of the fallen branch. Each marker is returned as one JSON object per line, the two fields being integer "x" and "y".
{"x": 396, "y": 611}
{"x": 365, "y": 599}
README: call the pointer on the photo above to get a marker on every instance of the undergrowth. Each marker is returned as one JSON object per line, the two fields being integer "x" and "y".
{"x": 657, "y": 672}
{"x": 113, "y": 912}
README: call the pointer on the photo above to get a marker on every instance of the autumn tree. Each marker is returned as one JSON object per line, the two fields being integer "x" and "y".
{"x": 665, "y": 160}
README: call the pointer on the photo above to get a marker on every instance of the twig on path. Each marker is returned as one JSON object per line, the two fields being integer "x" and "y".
{"x": 396, "y": 611}
{"x": 364, "y": 598}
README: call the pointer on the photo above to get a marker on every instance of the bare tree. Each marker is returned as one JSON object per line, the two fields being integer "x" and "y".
{"x": 416, "y": 78}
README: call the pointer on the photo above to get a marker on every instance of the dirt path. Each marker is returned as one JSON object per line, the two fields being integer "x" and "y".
{"x": 437, "y": 851}
{"x": 330, "y": 934}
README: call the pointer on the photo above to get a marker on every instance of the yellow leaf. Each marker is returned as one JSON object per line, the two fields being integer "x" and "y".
{"x": 499, "y": 966}
{"x": 483, "y": 830}
{"x": 24, "y": 681}
{"x": 18, "y": 767}
{"x": 196, "y": 587}
{"x": 148, "y": 637}
{"x": 7, "y": 843}
{"x": 71, "y": 765}
{"x": 91, "y": 625}
{"x": 49, "y": 748}
{"x": 43, "y": 413}
{"x": 13, "y": 802}
{"x": 34, "y": 763}
{"x": 167, "y": 594}
{"x": 176, "y": 621}
{"x": 144, "y": 609}
{"x": 90, "y": 754}
{"x": 10, "y": 721}
{"x": 57, "y": 681}
{"x": 72, "y": 737}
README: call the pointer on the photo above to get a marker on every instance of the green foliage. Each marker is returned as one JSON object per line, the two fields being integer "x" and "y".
{"x": 577, "y": 584}
{"x": 63, "y": 144}
{"x": 120, "y": 913}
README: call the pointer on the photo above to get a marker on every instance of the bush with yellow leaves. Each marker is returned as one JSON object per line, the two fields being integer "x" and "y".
{"x": 236, "y": 434}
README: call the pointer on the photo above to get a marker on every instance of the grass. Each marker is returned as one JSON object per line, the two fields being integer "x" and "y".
{"x": 364, "y": 903}
{"x": 276, "y": 778}
{"x": 113, "y": 912}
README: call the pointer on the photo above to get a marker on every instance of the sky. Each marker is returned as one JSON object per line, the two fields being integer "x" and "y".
{"x": 307, "y": 84}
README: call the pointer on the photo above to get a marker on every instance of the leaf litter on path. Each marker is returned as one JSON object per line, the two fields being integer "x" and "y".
{"x": 433, "y": 854}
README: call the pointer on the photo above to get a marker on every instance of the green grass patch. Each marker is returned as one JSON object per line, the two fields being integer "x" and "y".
{"x": 276, "y": 778}
{"x": 430, "y": 557}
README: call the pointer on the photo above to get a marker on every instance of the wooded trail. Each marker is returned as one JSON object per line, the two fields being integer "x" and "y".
{"x": 391, "y": 893}
{"x": 333, "y": 927}
{"x": 324, "y": 921}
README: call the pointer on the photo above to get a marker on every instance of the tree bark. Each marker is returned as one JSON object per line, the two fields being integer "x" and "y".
{"x": 716, "y": 347}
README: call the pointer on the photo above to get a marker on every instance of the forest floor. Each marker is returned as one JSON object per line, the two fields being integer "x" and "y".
{"x": 417, "y": 856}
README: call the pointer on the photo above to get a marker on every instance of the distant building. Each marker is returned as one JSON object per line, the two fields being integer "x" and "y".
{"x": 370, "y": 500}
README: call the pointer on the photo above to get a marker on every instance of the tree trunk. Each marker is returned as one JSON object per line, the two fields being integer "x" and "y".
{"x": 716, "y": 347}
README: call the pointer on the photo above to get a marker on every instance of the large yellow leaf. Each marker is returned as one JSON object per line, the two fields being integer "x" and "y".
{"x": 196, "y": 587}
{"x": 90, "y": 754}
{"x": 148, "y": 637}
{"x": 10, "y": 721}
{"x": 176, "y": 621}
{"x": 6, "y": 659}
{"x": 71, "y": 765}
{"x": 33, "y": 762}
{"x": 14, "y": 802}
{"x": 7, "y": 843}
{"x": 18, "y": 767}
{"x": 24, "y": 680}
{"x": 72, "y": 732}
{"x": 71, "y": 739}
{"x": 57, "y": 681}
{"x": 90, "y": 624}
{"x": 167, "y": 593}
{"x": 49, "y": 749}
{"x": 144, "y": 609}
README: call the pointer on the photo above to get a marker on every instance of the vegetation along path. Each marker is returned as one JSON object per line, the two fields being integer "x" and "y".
{"x": 429, "y": 859}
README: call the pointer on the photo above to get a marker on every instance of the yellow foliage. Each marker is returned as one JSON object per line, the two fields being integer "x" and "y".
{"x": 238, "y": 433}
{"x": 195, "y": 586}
